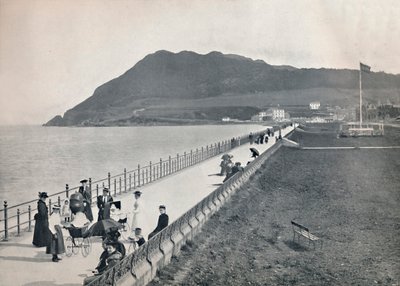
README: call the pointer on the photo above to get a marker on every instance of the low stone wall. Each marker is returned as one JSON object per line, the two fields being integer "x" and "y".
{"x": 141, "y": 266}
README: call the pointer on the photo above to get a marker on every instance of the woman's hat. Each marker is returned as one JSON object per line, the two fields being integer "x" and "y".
{"x": 83, "y": 181}
{"x": 162, "y": 207}
{"x": 43, "y": 195}
{"x": 137, "y": 193}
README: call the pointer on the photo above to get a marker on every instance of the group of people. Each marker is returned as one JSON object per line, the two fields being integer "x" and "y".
{"x": 261, "y": 138}
{"x": 77, "y": 212}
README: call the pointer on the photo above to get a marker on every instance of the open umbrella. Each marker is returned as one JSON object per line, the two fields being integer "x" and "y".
{"x": 254, "y": 152}
{"x": 101, "y": 228}
{"x": 226, "y": 156}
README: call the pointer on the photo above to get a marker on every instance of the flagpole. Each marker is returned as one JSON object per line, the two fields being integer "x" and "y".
{"x": 360, "y": 100}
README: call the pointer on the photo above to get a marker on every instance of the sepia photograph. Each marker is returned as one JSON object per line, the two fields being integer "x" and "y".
{"x": 199, "y": 142}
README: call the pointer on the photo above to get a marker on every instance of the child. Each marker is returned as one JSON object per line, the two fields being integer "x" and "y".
{"x": 66, "y": 212}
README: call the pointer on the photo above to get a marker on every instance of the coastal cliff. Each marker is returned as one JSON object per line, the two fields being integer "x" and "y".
{"x": 186, "y": 87}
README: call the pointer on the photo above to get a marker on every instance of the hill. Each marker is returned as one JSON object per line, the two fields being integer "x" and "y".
{"x": 187, "y": 86}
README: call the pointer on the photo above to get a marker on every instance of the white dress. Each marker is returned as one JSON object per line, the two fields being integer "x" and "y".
{"x": 137, "y": 207}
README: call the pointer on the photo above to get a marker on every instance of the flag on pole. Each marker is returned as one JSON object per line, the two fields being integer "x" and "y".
{"x": 364, "y": 68}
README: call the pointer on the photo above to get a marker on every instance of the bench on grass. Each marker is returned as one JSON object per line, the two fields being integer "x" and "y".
{"x": 301, "y": 230}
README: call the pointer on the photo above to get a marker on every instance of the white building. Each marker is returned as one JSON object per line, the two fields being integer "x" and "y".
{"x": 226, "y": 119}
{"x": 315, "y": 105}
{"x": 278, "y": 114}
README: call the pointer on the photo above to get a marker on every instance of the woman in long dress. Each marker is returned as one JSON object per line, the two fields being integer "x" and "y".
{"x": 137, "y": 207}
{"x": 42, "y": 235}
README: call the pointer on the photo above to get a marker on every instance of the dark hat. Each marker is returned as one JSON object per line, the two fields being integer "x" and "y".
{"x": 137, "y": 193}
{"x": 106, "y": 190}
{"x": 238, "y": 163}
{"x": 43, "y": 195}
{"x": 138, "y": 228}
{"x": 111, "y": 242}
{"x": 84, "y": 181}
{"x": 162, "y": 207}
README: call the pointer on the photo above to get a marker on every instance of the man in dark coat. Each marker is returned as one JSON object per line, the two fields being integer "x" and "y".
{"x": 42, "y": 234}
{"x": 162, "y": 222}
{"x": 57, "y": 242}
{"x": 103, "y": 203}
{"x": 87, "y": 199}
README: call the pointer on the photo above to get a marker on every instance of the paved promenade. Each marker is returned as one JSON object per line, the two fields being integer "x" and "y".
{"x": 23, "y": 264}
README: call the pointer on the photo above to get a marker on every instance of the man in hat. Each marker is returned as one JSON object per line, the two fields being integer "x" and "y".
{"x": 87, "y": 199}
{"x": 103, "y": 203}
{"x": 42, "y": 234}
{"x": 57, "y": 240}
{"x": 162, "y": 221}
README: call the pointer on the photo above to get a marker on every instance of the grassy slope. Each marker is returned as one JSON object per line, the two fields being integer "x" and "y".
{"x": 348, "y": 197}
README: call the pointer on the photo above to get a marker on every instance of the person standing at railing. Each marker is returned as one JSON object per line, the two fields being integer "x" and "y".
{"x": 87, "y": 199}
{"x": 42, "y": 235}
{"x": 137, "y": 210}
{"x": 162, "y": 221}
{"x": 103, "y": 203}
{"x": 56, "y": 245}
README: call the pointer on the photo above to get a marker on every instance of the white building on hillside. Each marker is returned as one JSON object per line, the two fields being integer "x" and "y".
{"x": 315, "y": 105}
{"x": 278, "y": 114}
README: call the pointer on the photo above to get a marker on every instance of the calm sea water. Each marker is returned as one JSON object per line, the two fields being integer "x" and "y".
{"x": 35, "y": 158}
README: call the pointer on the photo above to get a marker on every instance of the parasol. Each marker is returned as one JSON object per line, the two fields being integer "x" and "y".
{"x": 226, "y": 156}
{"x": 254, "y": 152}
{"x": 101, "y": 228}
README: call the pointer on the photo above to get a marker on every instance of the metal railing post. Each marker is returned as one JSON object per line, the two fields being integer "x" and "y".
{"x": 59, "y": 200}
{"x": 125, "y": 189}
{"x": 115, "y": 186}
{"x": 130, "y": 181}
{"x": 169, "y": 163}
{"x": 120, "y": 185}
{"x": 66, "y": 190}
{"x": 29, "y": 218}
{"x": 18, "y": 223}
{"x": 151, "y": 173}
{"x": 161, "y": 168}
{"x": 177, "y": 162}
{"x": 109, "y": 180}
{"x": 49, "y": 206}
{"x": 191, "y": 158}
{"x": 184, "y": 160}
{"x": 90, "y": 185}
{"x": 97, "y": 190}
{"x": 138, "y": 174}
{"x": 5, "y": 222}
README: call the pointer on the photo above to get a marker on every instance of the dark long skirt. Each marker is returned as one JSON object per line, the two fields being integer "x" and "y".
{"x": 42, "y": 234}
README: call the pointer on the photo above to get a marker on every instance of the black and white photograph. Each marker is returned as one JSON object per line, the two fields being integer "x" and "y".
{"x": 199, "y": 142}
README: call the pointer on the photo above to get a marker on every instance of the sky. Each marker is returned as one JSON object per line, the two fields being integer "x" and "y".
{"x": 54, "y": 53}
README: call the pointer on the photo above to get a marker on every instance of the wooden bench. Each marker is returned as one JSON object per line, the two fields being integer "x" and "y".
{"x": 301, "y": 230}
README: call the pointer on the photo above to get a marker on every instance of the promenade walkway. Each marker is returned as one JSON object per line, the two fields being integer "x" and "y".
{"x": 23, "y": 264}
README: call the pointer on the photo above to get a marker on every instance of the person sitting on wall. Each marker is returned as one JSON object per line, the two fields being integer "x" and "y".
{"x": 235, "y": 169}
{"x": 138, "y": 239}
{"x": 162, "y": 222}
{"x": 107, "y": 260}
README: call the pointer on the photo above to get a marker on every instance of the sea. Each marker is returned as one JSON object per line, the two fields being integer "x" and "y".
{"x": 43, "y": 159}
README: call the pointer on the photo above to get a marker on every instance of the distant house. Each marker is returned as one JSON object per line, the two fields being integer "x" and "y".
{"x": 315, "y": 105}
{"x": 278, "y": 114}
{"x": 257, "y": 117}
{"x": 226, "y": 119}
